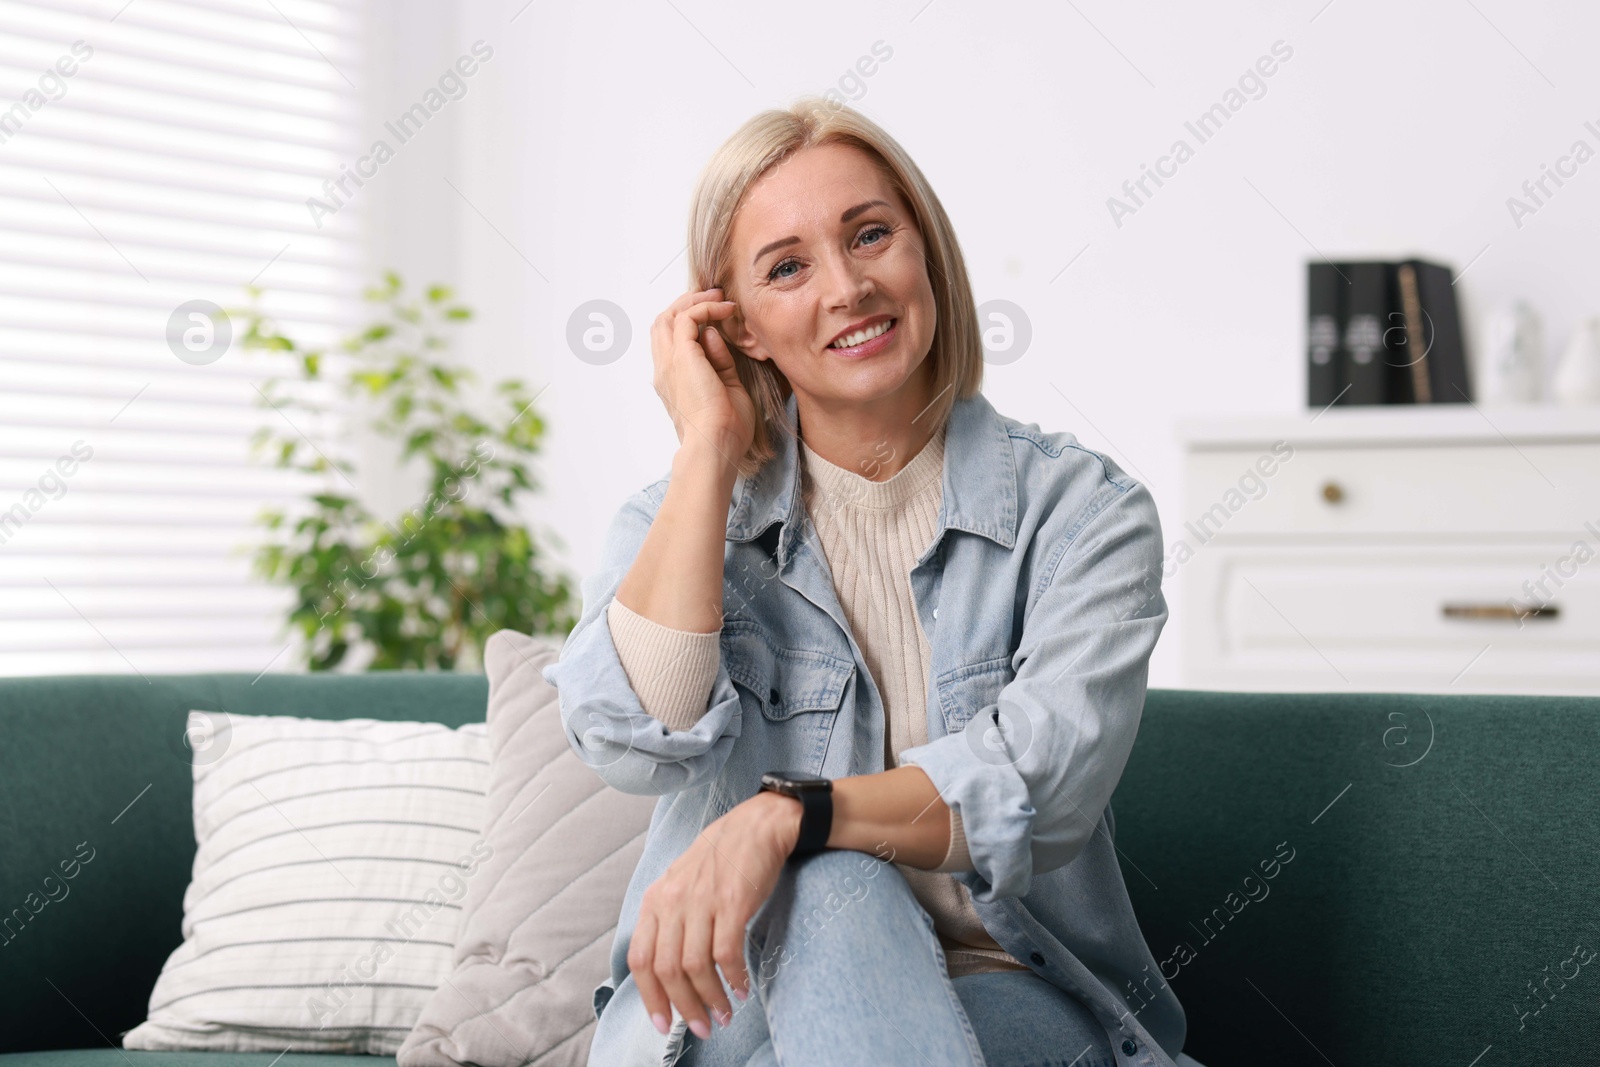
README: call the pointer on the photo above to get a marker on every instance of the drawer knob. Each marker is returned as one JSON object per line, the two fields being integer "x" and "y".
{"x": 1332, "y": 492}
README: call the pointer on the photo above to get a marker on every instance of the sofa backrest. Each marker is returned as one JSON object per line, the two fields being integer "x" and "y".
{"x": 95, "y": 780}
{"x": 1353, "y": 878}
{"x": 1443, "y": 894}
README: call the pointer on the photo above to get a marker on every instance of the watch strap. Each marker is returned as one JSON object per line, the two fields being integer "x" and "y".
{"x": 816, "y": 821}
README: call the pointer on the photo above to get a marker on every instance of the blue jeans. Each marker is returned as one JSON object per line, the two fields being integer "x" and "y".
{"x": 846, "y": 969}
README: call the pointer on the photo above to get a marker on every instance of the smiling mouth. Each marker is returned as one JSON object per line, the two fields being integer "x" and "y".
{"x": 861, "y": 337}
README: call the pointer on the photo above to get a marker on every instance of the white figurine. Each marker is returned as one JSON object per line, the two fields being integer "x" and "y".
{"x": 1513, "y": 362}
{"x": 1577, "y": 378}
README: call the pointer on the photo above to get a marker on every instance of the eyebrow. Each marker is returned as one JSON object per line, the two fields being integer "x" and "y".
{"x": 846, "y": 217}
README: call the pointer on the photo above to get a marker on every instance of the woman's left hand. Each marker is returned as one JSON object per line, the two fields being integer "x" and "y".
{"x": 692, "y": 919}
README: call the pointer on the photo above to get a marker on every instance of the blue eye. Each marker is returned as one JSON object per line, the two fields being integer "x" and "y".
{"x": 876, "y": 228}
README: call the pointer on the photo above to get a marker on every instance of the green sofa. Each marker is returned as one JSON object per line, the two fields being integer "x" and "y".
{"x": 1349, "y": 879}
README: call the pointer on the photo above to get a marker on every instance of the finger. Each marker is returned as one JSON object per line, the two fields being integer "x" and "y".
{"x": 641, "y": 962}
{"x": 683, "y": 300}
{"x": 688, "y": 327}
{"x": 669, "y": 970}
{"x": 676, "y": 330}
{"x": 727, "y": 948}
{"x": 701, "y": 967}
{"x": 686, "y": 324}
{"x": 660, "y": 357}
{"x": 694, "y": 297}
{"x": 716, "y": 347}
{"x": 688, "y": 300}
{"x": 661, "y": 328}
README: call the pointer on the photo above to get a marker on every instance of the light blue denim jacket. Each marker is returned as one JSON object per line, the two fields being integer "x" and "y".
{"x": 1040, "y": 595}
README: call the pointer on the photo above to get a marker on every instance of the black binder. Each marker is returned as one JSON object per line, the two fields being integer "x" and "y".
{"x": 1383, "y": 333}
{"x": 1324, "y": 301}
{"x": 1362, "y": 347}
{"x": 1435, "y": 353}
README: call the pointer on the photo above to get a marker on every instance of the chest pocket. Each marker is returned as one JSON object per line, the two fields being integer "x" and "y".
{"x": 785, "y": 681}
{"x": 965, "y": 691}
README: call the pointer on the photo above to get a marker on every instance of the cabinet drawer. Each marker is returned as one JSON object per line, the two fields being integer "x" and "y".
{"x": 1551, "y": 489}
{"x": 1396, "y": 617}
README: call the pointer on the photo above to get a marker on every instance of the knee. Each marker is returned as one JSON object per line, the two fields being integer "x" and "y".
{"x": 837, "y": 890}
{"x": 836, "y": 877}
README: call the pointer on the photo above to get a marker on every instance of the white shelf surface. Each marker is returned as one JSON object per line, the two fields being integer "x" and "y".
{"x": 1383, "y": 425}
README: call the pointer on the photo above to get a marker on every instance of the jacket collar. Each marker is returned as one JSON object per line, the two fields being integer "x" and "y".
{"x": 979, "y": 481}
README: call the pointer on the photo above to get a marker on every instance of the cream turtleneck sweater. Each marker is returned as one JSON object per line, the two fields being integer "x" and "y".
{"x": 871, "y": 534}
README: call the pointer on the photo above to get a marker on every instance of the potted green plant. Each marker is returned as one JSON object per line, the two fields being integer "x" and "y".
{"x": 425, "y": 588}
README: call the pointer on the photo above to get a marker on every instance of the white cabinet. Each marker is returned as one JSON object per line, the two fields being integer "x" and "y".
{"x": 1447, "y": 548}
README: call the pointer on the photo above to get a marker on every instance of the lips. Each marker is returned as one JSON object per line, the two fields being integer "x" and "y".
{"x": 874, "y": 326}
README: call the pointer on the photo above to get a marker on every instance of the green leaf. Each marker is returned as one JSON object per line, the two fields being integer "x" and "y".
{"x": 424, "y": 587}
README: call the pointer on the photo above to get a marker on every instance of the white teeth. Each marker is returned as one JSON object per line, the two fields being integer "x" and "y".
{"x": 862, "y": 336}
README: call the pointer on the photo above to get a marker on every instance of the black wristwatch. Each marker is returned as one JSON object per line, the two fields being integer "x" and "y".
{"x": 816, "y": 807}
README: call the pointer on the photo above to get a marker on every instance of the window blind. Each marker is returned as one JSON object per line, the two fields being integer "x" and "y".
{"x": 154, "y": 154}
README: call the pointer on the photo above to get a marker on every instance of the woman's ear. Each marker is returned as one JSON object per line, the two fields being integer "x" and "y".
{"x": 737, "y": 333}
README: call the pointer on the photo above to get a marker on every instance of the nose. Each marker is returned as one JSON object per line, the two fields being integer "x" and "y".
{"x": 846, "y": 282}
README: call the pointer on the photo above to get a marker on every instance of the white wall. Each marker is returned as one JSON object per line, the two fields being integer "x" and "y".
{"x": 1392, "y": 130}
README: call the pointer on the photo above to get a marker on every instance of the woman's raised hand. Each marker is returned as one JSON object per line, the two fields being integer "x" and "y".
{"x": 695, "y": 377}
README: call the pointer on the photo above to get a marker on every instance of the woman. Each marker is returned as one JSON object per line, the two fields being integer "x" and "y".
{"x": 773, "y": 605}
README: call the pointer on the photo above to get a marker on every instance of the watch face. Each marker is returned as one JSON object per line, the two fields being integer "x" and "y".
{"x": 783, "y": 780}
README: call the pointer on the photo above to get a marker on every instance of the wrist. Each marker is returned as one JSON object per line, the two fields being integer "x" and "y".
{"x": 896, "y": 814}
{"x": 778, "y": 817}
{"x": 713, "y": 459}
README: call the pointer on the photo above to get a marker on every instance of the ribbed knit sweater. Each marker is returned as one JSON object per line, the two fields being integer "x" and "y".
{"x": 871, "y": 535}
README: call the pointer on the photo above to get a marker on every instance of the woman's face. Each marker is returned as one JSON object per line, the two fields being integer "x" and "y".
{"x": 820, "y": 245}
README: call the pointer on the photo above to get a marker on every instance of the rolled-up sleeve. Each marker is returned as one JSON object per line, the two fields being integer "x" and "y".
{"x": 605, "y": 723}
{"x": 672, "y": 671}
{"x": 1031, "y": 774}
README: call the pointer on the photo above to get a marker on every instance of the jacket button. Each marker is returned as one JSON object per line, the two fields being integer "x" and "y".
{"x": 936, "y": 613}
{"x": 772, "y": 698}
{"x": 1129, "y": 1048}
{"x": 1037, "y": 958}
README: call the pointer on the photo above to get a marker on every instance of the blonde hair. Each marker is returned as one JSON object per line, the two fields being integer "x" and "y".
{"x": 768, "y": 139}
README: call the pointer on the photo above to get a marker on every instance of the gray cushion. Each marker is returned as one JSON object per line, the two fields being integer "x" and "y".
{"x": 539, "y": 919}
{"x": 113, "y": 1057}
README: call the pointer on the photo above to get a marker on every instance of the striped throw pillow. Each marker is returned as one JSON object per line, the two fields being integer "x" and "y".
{"x": 332, "y": 862}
